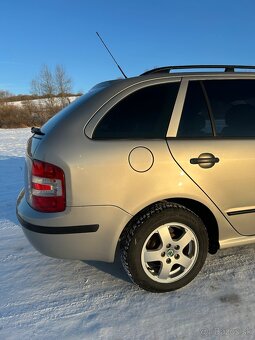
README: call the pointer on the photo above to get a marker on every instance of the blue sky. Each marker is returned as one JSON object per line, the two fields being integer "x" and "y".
{"x": 141, "y": 35}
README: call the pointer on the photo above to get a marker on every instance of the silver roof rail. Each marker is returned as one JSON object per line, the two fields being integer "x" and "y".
{"x": 168, "y": 69}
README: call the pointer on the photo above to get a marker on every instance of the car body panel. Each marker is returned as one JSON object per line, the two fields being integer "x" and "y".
{"x": 98, "y": 185}
{"x": 235, "y": 169}
{"x": 222, "y": 182}
{"x": 110, "y": 181}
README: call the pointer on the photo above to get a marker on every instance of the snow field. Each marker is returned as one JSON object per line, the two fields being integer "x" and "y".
{"x": 45, "y": 298}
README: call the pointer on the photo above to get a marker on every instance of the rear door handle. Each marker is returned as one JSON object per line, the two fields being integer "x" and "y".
{"x": 205, "y": 160}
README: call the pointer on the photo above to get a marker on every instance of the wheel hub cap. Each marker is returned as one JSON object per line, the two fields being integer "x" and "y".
{"x": 170, "y": 253}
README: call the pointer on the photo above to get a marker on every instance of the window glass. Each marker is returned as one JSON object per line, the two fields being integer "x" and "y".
{"x": 233, "y": 106}
{"x": 143, "y": 114}
{"x": 195, "y": 120}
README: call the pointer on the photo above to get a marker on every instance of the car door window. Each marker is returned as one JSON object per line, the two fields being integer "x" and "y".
{"x": 195, "y": 121}
{"x": 233, "y": 106}
{"x": 143, "y": 114}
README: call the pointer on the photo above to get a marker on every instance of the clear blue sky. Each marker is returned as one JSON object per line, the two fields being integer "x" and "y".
{"x": 141, "y": 35}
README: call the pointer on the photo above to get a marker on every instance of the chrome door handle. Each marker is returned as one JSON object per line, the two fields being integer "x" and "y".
{"x": 205, "y": 160}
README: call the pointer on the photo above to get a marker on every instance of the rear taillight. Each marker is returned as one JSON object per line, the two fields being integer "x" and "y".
{"x": 47, "y": 187}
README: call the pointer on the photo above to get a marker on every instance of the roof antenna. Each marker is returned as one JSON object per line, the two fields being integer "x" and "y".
{"x": 111, "y": 55}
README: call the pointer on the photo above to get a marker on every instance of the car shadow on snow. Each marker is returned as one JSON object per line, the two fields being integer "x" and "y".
{"x": 115, "y": 269}
{"x": 11, "y": 183}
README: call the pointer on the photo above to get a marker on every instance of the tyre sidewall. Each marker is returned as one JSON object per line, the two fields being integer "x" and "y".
{"x": 170, "y": 215}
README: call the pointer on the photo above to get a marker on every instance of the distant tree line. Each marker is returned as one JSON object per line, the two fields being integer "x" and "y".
{"x": 50, "y": 92}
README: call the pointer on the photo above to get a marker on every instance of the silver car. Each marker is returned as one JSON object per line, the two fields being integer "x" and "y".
{"x": 162, "y": 164}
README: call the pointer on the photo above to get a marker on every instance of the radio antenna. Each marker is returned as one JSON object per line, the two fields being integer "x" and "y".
{"x": 111, "y": 55}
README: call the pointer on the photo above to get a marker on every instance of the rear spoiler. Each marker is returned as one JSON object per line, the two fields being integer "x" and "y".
{"x": 37, "y": 131}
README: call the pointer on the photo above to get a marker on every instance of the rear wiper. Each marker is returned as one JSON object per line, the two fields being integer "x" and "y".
{"x": 37, "y": 131}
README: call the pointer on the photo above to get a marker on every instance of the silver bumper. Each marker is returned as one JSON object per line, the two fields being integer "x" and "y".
{"x": 84, "y": 233}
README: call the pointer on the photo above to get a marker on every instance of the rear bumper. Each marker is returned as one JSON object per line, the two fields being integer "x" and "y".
{"x": 84, "y": 233}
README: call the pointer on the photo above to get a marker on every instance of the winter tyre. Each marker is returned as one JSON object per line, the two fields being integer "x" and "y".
{"x": 165, "y": 248}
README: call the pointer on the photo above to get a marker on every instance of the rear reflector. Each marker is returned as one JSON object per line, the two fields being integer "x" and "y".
{"x": 47, "y": 187}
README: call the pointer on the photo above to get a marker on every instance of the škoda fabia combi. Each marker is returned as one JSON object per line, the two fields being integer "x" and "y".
{"x": 162, "y": 163}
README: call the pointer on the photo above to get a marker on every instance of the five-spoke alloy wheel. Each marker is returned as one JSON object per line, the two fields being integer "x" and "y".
{"x": 164, "y": 248}
{"x": 169, "y": 252}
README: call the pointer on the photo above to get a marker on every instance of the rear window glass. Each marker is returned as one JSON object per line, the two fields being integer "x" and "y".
{"x": 143, "y": 114}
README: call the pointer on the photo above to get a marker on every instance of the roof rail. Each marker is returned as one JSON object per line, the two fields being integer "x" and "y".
{"x": 227, "y": 68}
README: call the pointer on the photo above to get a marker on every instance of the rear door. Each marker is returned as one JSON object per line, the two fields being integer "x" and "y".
{"x": 215, "y": 145}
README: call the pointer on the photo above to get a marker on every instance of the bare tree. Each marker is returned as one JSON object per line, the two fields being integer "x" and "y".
{"x": 55, "y": 87}
{"x": 44, "y": 85}
{"x": 4, "y": 95}
{"x": 63, "y": 85}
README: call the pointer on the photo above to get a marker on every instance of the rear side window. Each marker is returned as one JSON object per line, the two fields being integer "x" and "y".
{"x": 143, "y": 114}
{"x": 233, "y": 106}
{"x": 195, "y": 121}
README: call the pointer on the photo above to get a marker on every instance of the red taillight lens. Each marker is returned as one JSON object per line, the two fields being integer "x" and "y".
{"x": 47, "y": 187}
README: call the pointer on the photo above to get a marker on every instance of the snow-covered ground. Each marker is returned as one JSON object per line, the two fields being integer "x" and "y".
{"x": 38, "y": 102}
{"x": 45, "y": 298}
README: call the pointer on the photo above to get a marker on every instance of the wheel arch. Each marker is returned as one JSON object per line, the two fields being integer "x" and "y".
{"x": 199, "y": 209}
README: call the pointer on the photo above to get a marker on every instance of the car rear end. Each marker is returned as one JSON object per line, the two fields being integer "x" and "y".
{"x": 57, "y": 220}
